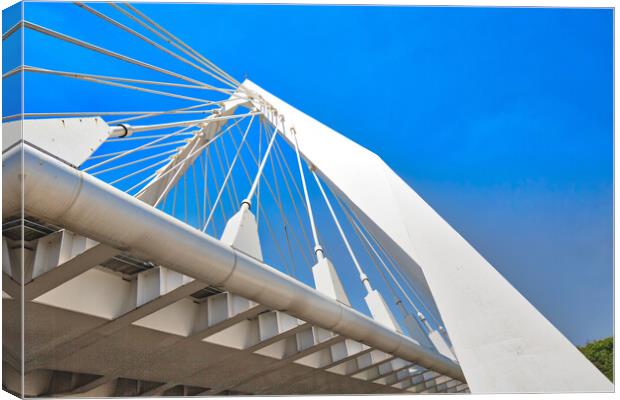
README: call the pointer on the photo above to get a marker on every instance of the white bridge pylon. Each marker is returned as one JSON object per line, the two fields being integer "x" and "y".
{"x": 503, "y": 344}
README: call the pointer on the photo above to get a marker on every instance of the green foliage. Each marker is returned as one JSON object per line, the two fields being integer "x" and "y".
{"x": 601, "y": 354}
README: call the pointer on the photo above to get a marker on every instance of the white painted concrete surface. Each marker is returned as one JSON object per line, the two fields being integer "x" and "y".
{"x": 502, "y": 342}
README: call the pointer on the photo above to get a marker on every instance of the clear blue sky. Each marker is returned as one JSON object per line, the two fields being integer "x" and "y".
{"x": 501, "y": 119}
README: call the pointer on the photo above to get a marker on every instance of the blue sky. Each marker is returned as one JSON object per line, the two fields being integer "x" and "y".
{"x": 499, "y": 118}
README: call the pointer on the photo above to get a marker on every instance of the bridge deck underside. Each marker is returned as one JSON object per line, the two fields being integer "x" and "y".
{"x": 135, "y": 345}
{"x": 99, "y": 323}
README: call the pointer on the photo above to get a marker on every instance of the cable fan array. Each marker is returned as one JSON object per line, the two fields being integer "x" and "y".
{"x": 207, "y": 150}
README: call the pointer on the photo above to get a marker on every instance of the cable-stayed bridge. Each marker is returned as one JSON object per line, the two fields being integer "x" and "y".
{"x": 228, "y": 243}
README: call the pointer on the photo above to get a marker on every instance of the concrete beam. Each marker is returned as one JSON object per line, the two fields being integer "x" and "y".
{"x": 169, "y": 345}
{"x": 68, "y": 270}
{"x": 65, "y": 346}
{"x": 421, "y": 381}
{"x": 251, "y": 349}
{"x": 11, "y": 287}
{"x": 388, "y": 374}
{"x": 159, "y": 390}
{"x": 371, "y": 365}
{"x": 317, "y": 370}
{"x": 276, "y": 365}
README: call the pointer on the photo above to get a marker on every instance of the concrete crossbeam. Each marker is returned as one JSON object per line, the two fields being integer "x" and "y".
{"x": 277, "y": 365}
{"x": 48, "y": 278}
